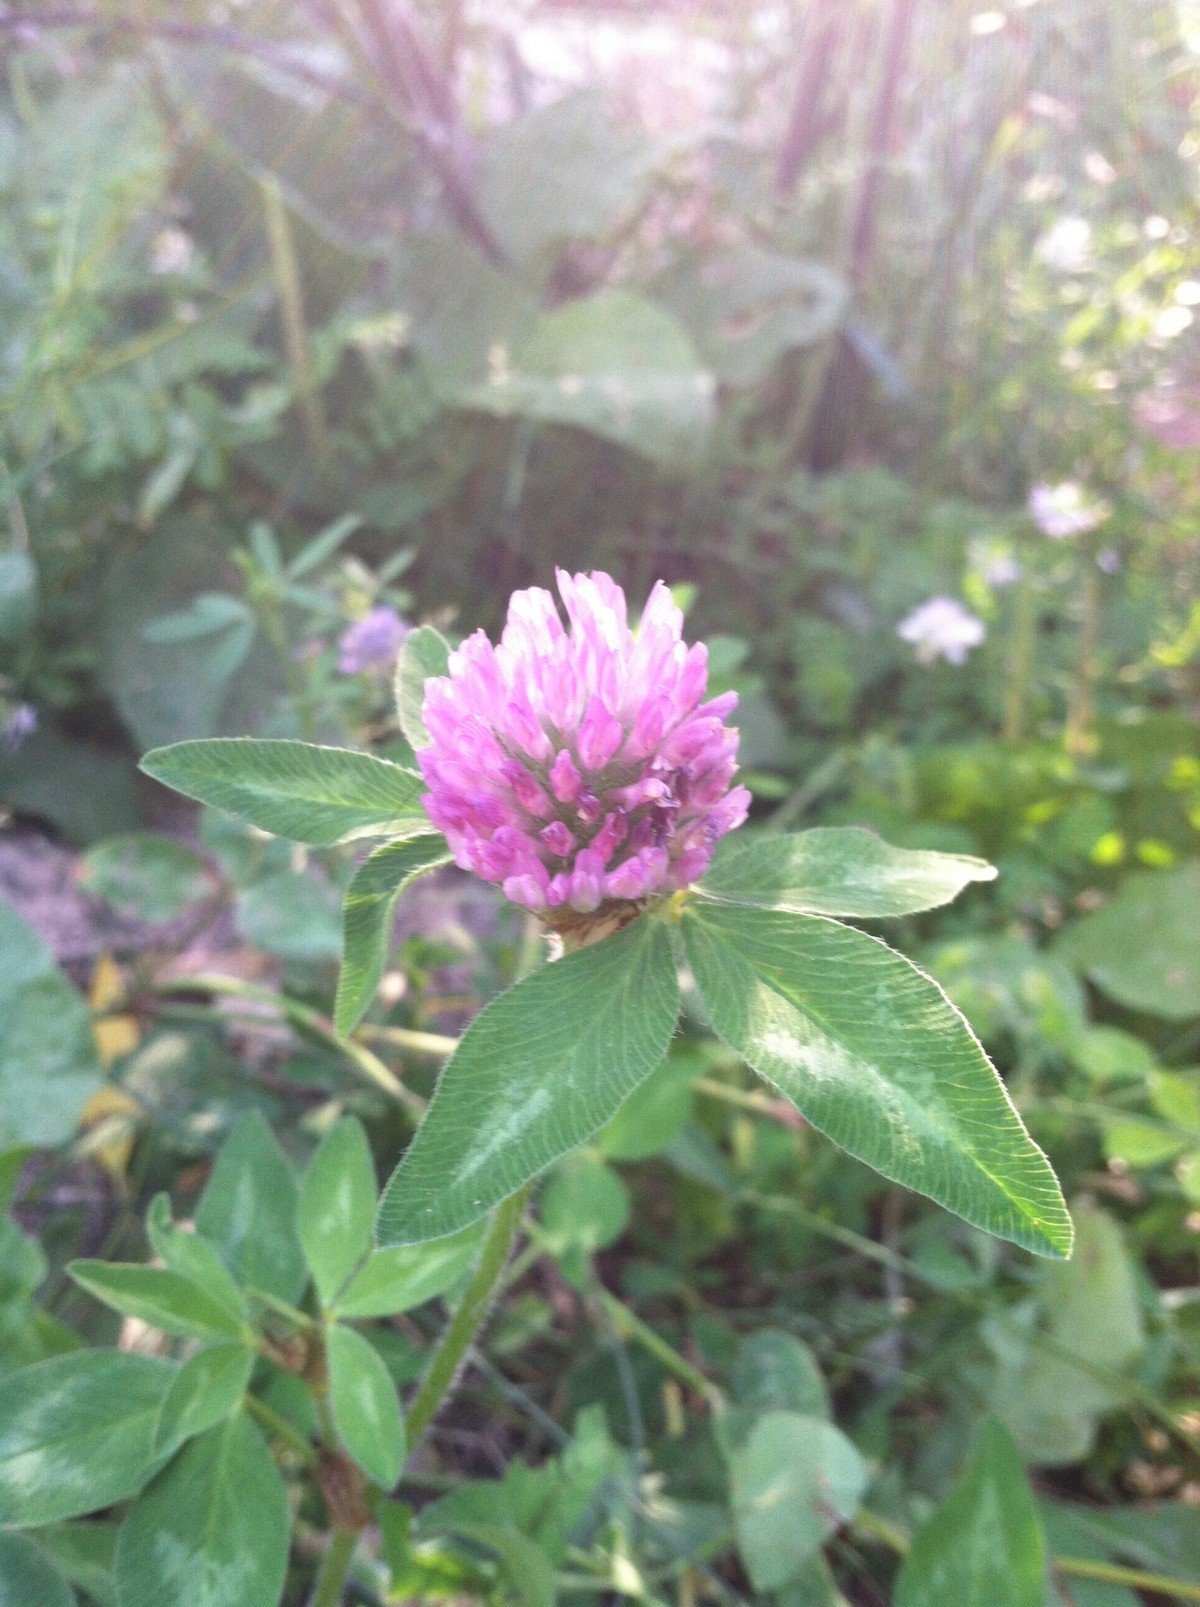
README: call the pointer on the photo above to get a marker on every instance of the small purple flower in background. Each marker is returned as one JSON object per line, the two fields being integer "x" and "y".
{"x": 20, "y": 722}
{"x": 577, "y": 766}
{"x": 942, "y": 628}
{"x": 371, "y": 642}
{"x": 1064, "y": 510}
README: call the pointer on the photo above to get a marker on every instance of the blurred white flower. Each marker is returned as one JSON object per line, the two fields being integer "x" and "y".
{"x": 1173, "y": 321}
{"x": 1065, "y": 510}
{"x": 1098, "y": 168}
{"x": 172, "y": 251}
{"x": 1067, "y": 245}
{"x": 942, "y": 628}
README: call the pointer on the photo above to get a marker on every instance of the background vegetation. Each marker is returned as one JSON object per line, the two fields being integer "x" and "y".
{"x": 312, "y": 310}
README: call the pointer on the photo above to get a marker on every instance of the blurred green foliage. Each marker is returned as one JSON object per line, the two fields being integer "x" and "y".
{"x": 310, "y": 310}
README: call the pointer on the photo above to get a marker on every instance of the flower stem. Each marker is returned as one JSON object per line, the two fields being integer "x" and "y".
{"x": 464, "y": 1325}
{"x": 332, "y": 1581}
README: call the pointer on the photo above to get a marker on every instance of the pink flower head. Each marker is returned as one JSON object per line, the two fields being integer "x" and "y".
{"x": 577, "y": 765}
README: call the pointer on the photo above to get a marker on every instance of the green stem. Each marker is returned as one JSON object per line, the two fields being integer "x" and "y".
{"x": 630, "y": 1323}
{"x": 280, "y": 1429}
{"x": 1136, "y": 1578}
{"x": 295, "y": 329}
{"x": 367, "y": 1064}
{"x": 464, "y": 1325}
{"x": 1021, "y": 659}
{"x": 332, "y": 1582}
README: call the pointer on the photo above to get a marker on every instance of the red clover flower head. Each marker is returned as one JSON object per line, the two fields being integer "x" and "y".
{"x": 577, "y": 766}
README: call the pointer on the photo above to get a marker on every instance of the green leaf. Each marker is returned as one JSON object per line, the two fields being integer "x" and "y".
{"x": 542, "y": 1068}
{"x": 319, "y": 796}
{"x": 48, "y": 1065}
{"x": 614, "y": 364}
{"x": 207, "y": 1388}
{"x": 365, "y": 1405}
{"x": 584, "y": 1208}
{"x": 154, "y": 878}
{"x": 156, "y": 1296}
{"x": 746, "y": 307}
{"x": 248, "y": 1211}
{"x": 337, "y": 1206}
{"x": 193, "y": 1258}
{"x": 18, "y": 595}
{"x": 772, "y": 1372}
{"x": 1141, "y": 949}
{"x": 212, "y": 1530}
{"x": 984, "y": 1546}
{"x": 839, "y": 870}
{"x": 1051, "y": 1396}
{"x": 28, "y": 1578}
{"x": 367, "y": 917}
{"x": 654, "y": 1115}
{"x": 875, "y": 1056}
{"x": 293, "y": 915}
{"x": 323, "y": 546}
{"x": 793, "y": 1480}
{"x": 76, "y": 1433}
{"x": 408, "y": 1275}
{"x": 426, "y": 652}
{"x": 83, "y": 1552}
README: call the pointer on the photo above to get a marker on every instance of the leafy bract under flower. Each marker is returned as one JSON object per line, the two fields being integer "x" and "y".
{"x": 577, "y": 765}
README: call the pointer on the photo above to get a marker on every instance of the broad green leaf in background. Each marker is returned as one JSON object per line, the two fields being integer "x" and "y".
{"x": 1064, "y": 1356}
{"x": 792, "y": 1481}
{"x": 584, "y": 1208}
{"x": 170, "y": 691}
{"x": 875, "y": 1056}
{"x": 207, "y": 1388}
{"x": 48, "y": 1065}
{"x": 614, "y": 364}
{"x": 561, "y": 172}
{"x": 366, "y": 1408}
{"x": 337, "y": 1206}
{"x": 293, "y": 915}
{"x": 192, "y": 1257}
{"x": 654, "y": 1114}
{"x": 746, "y": 307}
{"x": 839, "y": 870}
{"x": 426, "y": 652}
{"x": 76, "y": 1433}
{"x": 538, "y": 1071}
{"x": 152, "y": 877}
{"x": 461, "y": 310}
{"x": 156, "y": 1296}
{"x": 772, "y": 1372}
{"x": 211, "y": 1530}
{"x": 248, "y": 1211}
{"x": 367, "y": 917}
{"x": 1141, "y": 949}
{"x": 28, "y": 1578}
{"x": 310, "y": 794}
{"x": 348, "y": 173}
{"x": 407, "y": 1275}
{"x": 984, "y": 1546}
